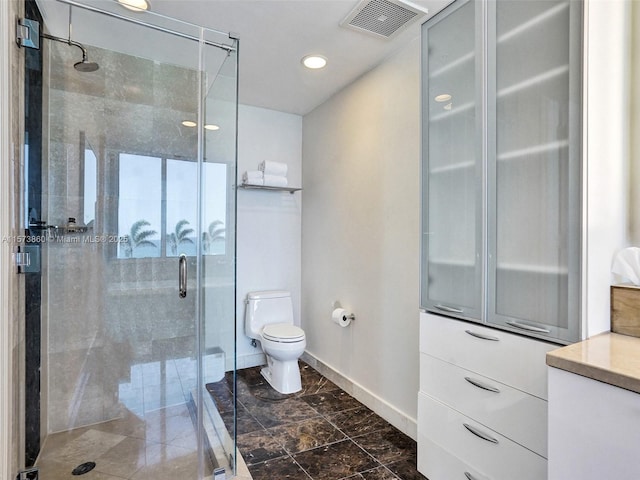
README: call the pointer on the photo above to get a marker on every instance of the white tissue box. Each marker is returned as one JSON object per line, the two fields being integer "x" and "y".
{"x": 625, "y": 310}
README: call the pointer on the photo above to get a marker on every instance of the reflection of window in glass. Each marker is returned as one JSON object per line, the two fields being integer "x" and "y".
{"x": 139, "y": 206}
{"x": 90, "y": 184}
{"x": 182, "y": 177}
{"x": 214, "y": 210}
{"x": 157, "y": 210}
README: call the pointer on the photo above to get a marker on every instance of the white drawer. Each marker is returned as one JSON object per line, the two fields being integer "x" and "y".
{"x": 500, "y": 459}
{"x": 510, "y": 359}
{"x": 516, "y": 415}
{"x": 436, "y": 463}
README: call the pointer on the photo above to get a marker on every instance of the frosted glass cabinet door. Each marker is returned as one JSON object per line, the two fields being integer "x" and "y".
{"x": 534, "y": 166}
{"x": 452, "y": 168}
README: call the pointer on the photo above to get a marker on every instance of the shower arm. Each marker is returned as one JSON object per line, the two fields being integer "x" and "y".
{"x": 68, "y": 41}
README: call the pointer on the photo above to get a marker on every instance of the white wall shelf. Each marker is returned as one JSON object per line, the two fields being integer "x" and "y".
{"x": 291, "y": 190}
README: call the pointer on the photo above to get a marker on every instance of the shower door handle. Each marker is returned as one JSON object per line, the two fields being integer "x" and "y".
{"x": 182, "y": 276}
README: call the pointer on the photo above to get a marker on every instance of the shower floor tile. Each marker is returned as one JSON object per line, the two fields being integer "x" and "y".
{"x": 319, "y": 433}
{"x": 161, "y": 445}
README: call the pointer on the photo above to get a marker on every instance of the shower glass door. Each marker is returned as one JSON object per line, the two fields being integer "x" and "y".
{"x": 135, "y": 224}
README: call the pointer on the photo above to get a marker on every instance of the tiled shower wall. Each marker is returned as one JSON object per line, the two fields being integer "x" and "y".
{"x": 16, "y": 9}
{"x": 104, "y": 314}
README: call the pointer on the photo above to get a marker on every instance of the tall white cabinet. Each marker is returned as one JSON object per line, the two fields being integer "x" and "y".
{"x": 502, "y": 246}
{"x": 502, "y": 117}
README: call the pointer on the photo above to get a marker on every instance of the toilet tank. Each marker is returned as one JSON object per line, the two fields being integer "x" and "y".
{"x": 265, "y": 307}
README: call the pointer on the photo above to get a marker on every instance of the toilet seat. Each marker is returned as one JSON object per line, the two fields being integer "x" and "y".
{"x": 283, "y": 333}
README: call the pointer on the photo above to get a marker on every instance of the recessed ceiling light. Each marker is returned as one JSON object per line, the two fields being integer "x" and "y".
{"x": 189, "y": 123}
{"x": 212, "y": 127}
{"x": 444, "y": 97}
{"x": 135, "y": 5}
{"x": 314, "y": 61}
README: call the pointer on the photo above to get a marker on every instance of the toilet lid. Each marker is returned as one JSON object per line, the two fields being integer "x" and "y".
{"x": 283, "y": 332}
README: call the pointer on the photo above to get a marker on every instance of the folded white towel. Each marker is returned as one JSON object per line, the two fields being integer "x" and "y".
{"x": 253, "y": 177}
{"x": 275, "y": 181}
{"x": 274, "y": 168}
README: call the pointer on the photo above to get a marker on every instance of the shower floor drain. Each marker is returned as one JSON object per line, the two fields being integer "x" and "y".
{"x": 83, "y": 468}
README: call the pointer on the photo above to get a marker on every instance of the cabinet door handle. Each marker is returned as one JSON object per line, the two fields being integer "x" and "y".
{"x": 479, "y": 433}
{"x": 482, "y": 336}
{"x": 469, "y": 476}
{"x": 482, "y": 385}
{"x": 446, "y": 308}
{"x": 530, "y": 328}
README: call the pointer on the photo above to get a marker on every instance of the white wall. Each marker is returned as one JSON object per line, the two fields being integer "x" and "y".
{"x": 268, "y": 222}
{"x": 360, "y": 230}
{"x": 634, "y": 177}
{"x": 607, "y": 142}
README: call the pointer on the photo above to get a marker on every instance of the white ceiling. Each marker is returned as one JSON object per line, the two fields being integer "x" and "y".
{"x": 274, "y": 36}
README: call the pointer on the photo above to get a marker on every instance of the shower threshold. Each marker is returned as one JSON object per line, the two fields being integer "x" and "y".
{"x": 219, "y": 441}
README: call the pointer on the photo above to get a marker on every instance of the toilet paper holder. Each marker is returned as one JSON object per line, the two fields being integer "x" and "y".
{"x": 347, "y": 316}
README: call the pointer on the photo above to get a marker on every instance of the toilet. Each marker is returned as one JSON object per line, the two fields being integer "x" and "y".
{"x": 269, "y": 319}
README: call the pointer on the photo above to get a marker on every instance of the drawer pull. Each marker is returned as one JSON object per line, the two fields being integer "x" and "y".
{"x": 446, "y": 308}
{"x": 469, "y": 476}
{"x": 479, "y": 433}
{"x": 482, "y": 385}
{"x": 530, "y": 328}
{"x": 482, "y": 336}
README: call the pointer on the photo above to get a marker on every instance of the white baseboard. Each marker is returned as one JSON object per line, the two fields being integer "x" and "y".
{"x": 395, "y": 417}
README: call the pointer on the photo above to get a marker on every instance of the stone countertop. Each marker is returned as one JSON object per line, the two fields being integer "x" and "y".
{"x": 608, "y": 357}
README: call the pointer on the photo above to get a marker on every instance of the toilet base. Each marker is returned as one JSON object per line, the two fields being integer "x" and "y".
{"x": 283, "y": 376}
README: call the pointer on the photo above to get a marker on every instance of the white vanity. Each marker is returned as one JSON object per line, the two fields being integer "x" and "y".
{"x": 594, "y": 409}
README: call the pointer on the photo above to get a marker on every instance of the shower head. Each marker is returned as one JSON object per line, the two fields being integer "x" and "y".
{"x": 82, "y": 66}
{"x": 85, "y": 65}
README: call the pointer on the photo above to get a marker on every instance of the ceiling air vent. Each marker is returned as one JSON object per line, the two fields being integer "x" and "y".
{"x": 382, "y": 18}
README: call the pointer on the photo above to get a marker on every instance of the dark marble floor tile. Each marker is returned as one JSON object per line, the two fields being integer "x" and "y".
{"x": 305, "y": 435}
{"x": 406, "y": 470}
{"x": 380, "y": 473}
{"x": 335, "y": 461}
{"x": 244, "y": 393}
{"x": 388, "y": 445}
{"x": 331, "y": 402}
{"x": 258, "y": 447}
{"x": 281, "y": 468}
{"x": 358, "y": 421}
{"x": 271, "y": 414}
{"x": 300, "y": 444}
{"x": 250, "y": 376}
{"x": 313, "y": 382}
{"x": 221, "y": 395}
{"x": 247, "y": 381}
{"x": 266, "y": 392}
{"x": 228, "y": 379}
{"x": 246, "y": 423}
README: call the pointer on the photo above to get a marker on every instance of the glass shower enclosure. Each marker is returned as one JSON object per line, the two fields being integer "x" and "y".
{"x": 130, "y": 209}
